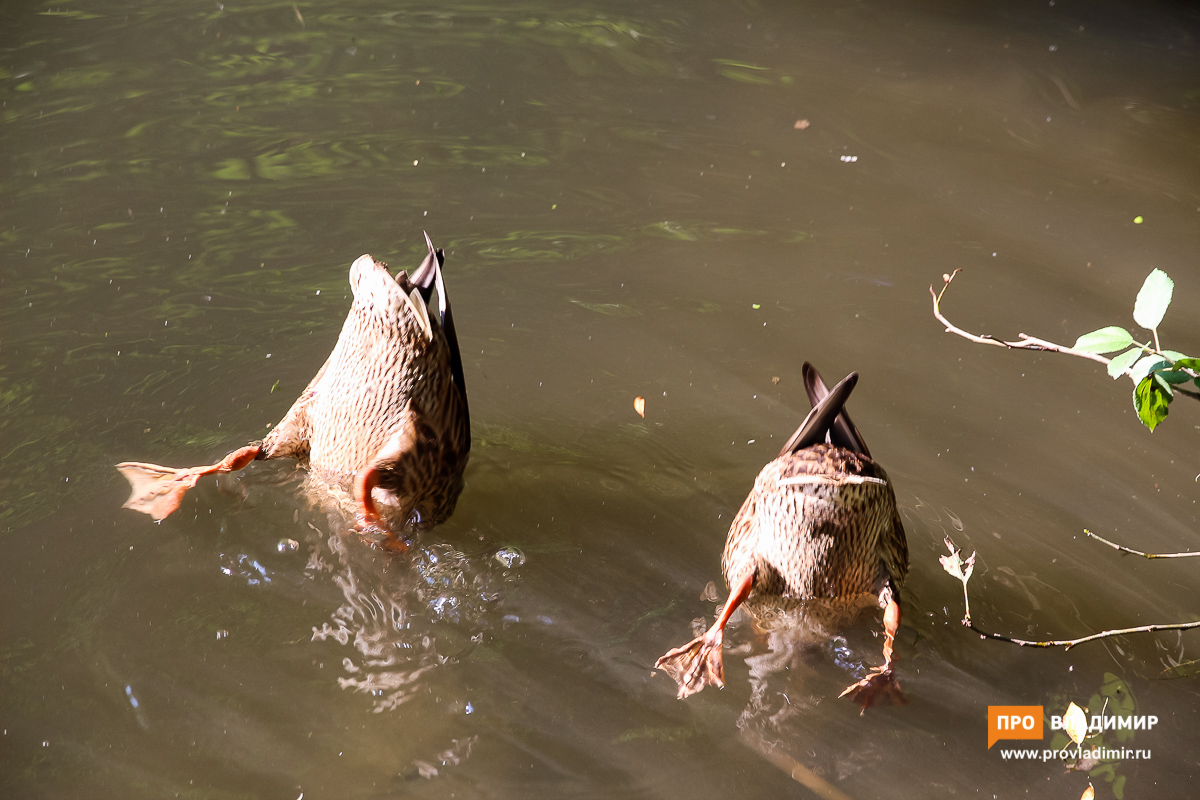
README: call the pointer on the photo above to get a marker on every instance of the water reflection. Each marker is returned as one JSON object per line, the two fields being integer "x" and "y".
{"x": 406, "y": 616}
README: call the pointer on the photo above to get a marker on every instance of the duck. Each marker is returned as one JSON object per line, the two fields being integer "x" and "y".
{"x": 384, "y": 426}
{"x": 820, "y": 526}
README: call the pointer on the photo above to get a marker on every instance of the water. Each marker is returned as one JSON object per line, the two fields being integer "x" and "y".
{"x": 628, "y": 209}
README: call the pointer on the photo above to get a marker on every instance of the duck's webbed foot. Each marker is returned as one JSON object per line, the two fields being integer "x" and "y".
{"x": 158, "y": 491}
{"x": 697, "y": 664}
{"x": 880, "y": 687}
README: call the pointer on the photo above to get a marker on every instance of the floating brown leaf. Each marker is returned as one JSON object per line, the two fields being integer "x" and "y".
{"x": 1075, "y": 723}
{"x": 639, "y": 405}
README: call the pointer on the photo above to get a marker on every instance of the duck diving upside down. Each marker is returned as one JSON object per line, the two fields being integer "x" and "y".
{"x": 820, "y": 527}
{"x": 384, "y": 426}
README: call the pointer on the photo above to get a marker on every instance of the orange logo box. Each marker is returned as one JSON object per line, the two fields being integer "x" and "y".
{"x": 1014, "y": 722}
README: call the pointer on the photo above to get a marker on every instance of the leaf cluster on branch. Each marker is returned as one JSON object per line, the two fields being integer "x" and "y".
{"x": 1157, "y": 374}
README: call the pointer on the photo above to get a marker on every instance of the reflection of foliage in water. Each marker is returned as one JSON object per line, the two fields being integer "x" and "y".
{"x": 694, "y": 231}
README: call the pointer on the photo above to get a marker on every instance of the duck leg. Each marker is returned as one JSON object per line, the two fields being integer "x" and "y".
{"x": 158, "y": 491}
{"x": 395, "y": 467}
{"x": 698, "y": 663}
{"x": 880, "y": 687}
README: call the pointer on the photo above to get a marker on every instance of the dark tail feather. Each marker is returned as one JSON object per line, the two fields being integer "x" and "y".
{"x": 423, "y": 276}
{"x": 428, "y": 277}
{"x": 817, "y": 424}
{"x": 842, "y": 432}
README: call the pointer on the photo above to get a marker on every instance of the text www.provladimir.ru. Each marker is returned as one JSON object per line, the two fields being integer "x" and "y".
{"x": 1096, "y": 753}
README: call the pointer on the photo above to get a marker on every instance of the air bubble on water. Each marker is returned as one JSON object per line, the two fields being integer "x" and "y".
{"x": 246, "y": 568}
{"x": 446, "y": 607}
{"x": 510, "y": 557}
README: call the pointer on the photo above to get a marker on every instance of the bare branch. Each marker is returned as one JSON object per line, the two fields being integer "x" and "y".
{"x": 1067, "y": 644}
{"x": 1025, "y": 342}
{"x": 953, "y": 564}
{"x": 1125, "y": 549}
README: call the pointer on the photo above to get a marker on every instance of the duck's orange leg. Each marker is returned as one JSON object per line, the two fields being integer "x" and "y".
{"x": 368, "y": 479}
{"x": 158, "y": 491}
{"x": 698, "y": 663}
{"x": 880, "y": 687}
{"x": 367, "y": 517}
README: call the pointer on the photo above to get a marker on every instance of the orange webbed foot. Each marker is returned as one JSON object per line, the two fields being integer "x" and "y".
{"x": 879, "y": 688}
{"x": 158, "y": 491}
{"x": 697, "y": 664}
{"x": 392, "y": 544}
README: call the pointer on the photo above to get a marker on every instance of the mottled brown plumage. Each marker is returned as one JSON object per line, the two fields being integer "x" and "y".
{"x": 385, "y": 418}
{"x": 819, "y": 524}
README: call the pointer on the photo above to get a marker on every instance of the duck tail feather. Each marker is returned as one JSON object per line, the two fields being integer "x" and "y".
{"x": 816, "y": 426}
{"x": 842, "y": 432}
{"x": 424, "y": 275}
{"x": 456, "y": 364}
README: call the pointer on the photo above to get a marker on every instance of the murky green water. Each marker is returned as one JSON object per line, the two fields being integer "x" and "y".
{"x": 628, "y": 208}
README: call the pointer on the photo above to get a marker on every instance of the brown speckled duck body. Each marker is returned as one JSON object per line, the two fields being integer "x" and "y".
{"x": 383, "y": 427}
{"x": 820, "y": 524}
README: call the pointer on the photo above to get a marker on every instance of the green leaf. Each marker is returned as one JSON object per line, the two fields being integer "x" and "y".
{"x": 1187, "y": 363}
{"x": 1117, "y": 367}
{"x": 1147, "y": 365}
{"x": 1153, "y": 299}
{"x": 1105, "y": 340}
{"x": 1151, "y": 402}
{"x": 1173, "y": 376}
{"x": 1162, "y": 385}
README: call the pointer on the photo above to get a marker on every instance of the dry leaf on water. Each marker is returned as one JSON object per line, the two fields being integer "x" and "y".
{"x": 639, "y": 405}
{"x": 1075, "y": 723}
{"x": 955, "y": 565}
{"x": 1088, "y": 793}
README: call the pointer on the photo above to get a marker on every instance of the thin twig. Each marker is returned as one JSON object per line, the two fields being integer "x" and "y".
{"x": 1025, "y": 343}
{"x": 954, "y": 558}
{"x": 1125, "y": 549}
{"x": 966, "y": 603}
{"x": 1033, "y": 343}
{"x": 1067, "y": 644}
